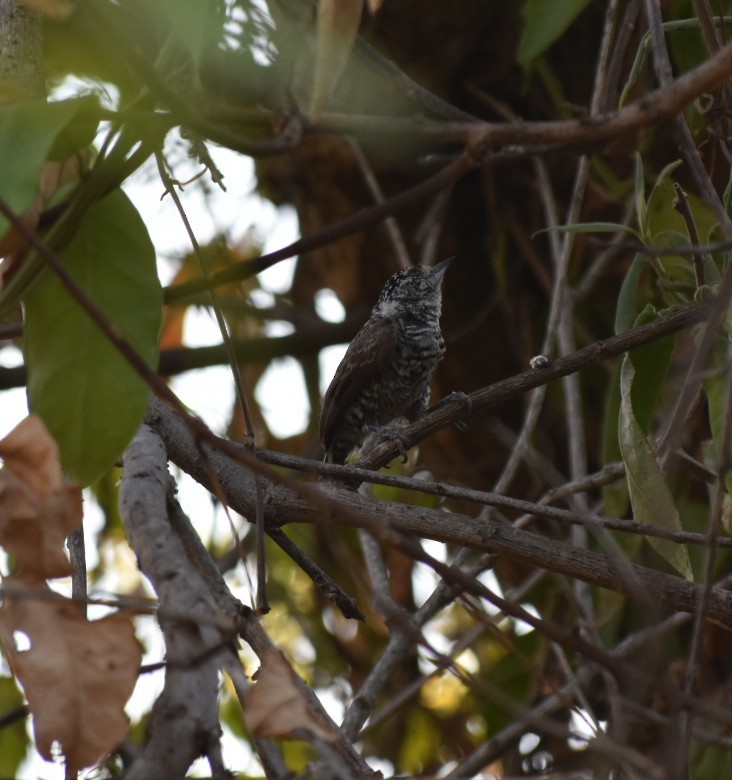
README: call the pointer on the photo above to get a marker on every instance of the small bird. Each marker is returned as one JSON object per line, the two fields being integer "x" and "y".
{"x": 386, "y": 371}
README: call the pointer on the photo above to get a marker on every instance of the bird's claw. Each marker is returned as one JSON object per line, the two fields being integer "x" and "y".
{"x": 467, "y": 402}
{"x": 401, "y": 441}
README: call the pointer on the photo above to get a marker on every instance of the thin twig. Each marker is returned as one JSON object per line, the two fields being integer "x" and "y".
{"x": 241, "y": 394}
{"x": 333, "y": 504}
{"x": 440, "y": 663}
{"x": 325, "y": 584}
{"x": 495, "y": 499}
{"x": 448, "y": 410}
{"x": 77, "y": 555}
{"x": 390, "y": 223}
{"x": 445, "y": 177}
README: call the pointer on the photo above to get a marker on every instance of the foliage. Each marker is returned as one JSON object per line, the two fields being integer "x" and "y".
{"x": 583, "y": 184}
{"x": 113, "y": 260}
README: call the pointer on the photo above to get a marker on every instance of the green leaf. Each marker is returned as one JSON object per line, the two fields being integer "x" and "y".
{"x": 544, "y": 23}
{"x": 641, "y": 207}
{"x": 680, "y": 51}
{"x": 628, "y": 298}
{"x": 90, "y": 398}
{"x": 644, "y": 49}
{"x": 28, "y": 134}
{"x": 664, "y": 220}
{"x": 649, "y": 495}
{"x": 13, "y": 736}
{"x": 197, "y": 23}
{"x": 660, "y": 191}
{"x": 716, "y": 390}
{"x": 420, "y": 746}
{"x": 615, "y": 494}
{"x": 710, "y": 760}
{"x": 715, "y": 386}
{"x": 651, "y": 363}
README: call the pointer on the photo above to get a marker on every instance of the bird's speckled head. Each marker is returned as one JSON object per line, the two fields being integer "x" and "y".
{"x": 412, "y": 286}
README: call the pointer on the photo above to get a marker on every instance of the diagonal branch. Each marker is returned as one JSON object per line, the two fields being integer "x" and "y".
{"x": 350, "y": 508}
{"x": 185, "y": 720}
{"x": 449, "y": 410}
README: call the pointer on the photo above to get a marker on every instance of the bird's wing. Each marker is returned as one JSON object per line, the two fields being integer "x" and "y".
{"x": 369, "y": 354}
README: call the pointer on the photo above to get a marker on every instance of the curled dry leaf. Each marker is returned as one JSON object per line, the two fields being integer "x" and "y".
{"x": 38, "y": 510}
{"x": 275, "y": 706}
{"x": 77, "y": 675}
{"x": 30, "y": 452}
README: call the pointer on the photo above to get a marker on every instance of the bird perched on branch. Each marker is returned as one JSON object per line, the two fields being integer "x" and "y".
{"x": 386, "y": 371}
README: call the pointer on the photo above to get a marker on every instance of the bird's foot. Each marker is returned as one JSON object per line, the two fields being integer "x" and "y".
{"x": 467, "y": 402}
{"x": 389, "y": 433}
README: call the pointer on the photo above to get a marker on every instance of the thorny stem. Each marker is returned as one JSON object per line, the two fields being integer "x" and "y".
{"x": 241, "y": 393}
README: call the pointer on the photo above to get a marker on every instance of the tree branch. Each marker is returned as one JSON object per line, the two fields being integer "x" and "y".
{"x": 666, "y": 591}
{"x": 185, "y": 721}
{"x": 449, "y": 409}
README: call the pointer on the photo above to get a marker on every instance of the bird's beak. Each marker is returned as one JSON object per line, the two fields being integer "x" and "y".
{"x": 439, "y": 270}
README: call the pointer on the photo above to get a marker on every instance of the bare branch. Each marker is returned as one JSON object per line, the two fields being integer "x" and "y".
{"x": 185, "y": 721}
{"x": 666, "y": 591}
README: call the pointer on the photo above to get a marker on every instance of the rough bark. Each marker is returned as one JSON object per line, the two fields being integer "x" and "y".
{"x": 21, "y": 53}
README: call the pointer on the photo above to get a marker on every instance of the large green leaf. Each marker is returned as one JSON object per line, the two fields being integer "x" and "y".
{"x": 32, "y": 131}
{"x": 544, "y": 23}
{"x": 615, "y": 494}
{"x": 87, "y": 394}
{"x": 627, "y": 307}
{"x": 649, "y": 495}
{"x": 651, "y": 363}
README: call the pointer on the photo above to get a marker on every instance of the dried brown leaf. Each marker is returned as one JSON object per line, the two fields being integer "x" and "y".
{"x": 77, "y": 675}
{"x": 30, "y": 452}
{"x": 275, "y": 706}
{"x": 38, "y": 510}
